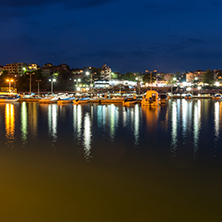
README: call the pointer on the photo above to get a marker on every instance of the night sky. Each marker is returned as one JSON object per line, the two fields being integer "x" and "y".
{"x": 127, "y": 35}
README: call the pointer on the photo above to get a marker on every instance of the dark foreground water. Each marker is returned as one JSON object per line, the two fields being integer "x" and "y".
{"x": 111, "y": 163}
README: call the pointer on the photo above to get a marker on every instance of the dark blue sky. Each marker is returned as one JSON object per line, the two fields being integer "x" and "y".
{"x": 128, "y": 35}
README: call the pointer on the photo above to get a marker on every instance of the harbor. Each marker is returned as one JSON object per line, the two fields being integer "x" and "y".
{"x": 105, "y": 98}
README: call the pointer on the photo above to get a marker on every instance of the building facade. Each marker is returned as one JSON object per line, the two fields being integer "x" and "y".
{"x": 106, "y": 72}
{"x": 195, "y": 76}
{"x": 16, "y": 68}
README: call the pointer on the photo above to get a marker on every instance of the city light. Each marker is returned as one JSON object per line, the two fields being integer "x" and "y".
{"x": 9, "y": 83}
{"x": 52, "y": 80}
{"x": 217, "y": 84}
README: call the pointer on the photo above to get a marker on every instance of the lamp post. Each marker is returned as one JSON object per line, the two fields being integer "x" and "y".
{"x": 38, "y": 84}
{"x": 30, "y": 81}
{"x": 52, "y": 80}
{"x": 87, "y": 73}
{"x": 9, "y": 84}
{"x": 174, "y": 79}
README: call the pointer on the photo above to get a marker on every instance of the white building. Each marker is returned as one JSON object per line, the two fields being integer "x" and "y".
{"x": 106, "y": 72}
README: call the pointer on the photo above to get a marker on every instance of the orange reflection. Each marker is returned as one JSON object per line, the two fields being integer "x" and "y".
{"x": 32, "y": 116}
{"x": 9, "y": 124}
{"x": 151, "y": 113}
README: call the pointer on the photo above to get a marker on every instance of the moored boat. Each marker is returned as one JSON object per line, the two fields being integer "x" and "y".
{"x": 188, "y": 96}
{"x": 129, "y": 101}
{"x": 81, "y": 100}
{"x": 116, "y": 99}
{"x": 65, "y": 99}
{"x": 9, "y": 98}
{"x": 96, "y": 99}
{"x": 48, "y": 99}
{"x": 150, "y": 98}
{"x": 217, "y": 96}
{"x": 163, "y": 98}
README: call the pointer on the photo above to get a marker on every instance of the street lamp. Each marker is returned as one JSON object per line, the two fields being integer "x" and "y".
{"x": 52, "y": 80}
{"x": 38, "y": 84}
{"x": 9, "y": 84}
{"x": 87, "y": 73}
{"x": 30, "y": 81}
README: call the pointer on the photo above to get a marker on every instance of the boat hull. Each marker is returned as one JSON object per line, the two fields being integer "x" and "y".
{"x": 80, "y": 101}
{"x": 9, "y": 100}
{"x": 129, "y": 103}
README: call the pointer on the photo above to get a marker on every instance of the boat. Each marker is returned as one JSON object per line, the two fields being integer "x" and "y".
{"x": 48, "y": 99}
{"x": 81, "y": 100}
{"x": 96, "y": 99}
{"x": 188, "y": 96}
{"x": 163, "y": 98}
{"x": 217, "y": 96}
{"x": 129, "y": 101}
{"x": 30, "y": 98}
{"x": 9, "y": 98}
{"x": 115, "y": 99}
{"x": 65, "y": 99}
{"x": 150, "y": 98}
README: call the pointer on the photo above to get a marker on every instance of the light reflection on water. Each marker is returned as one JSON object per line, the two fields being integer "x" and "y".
{"x": 174, "y": 128}
{"x": 181, "y": 123}
{"x": 111, "y": 157}
{"x": 24, "y": 123}
{"x": 196, "y": 125}
{"x": 10, "y": 125}
{"x": 52, "y": 120}
{"x": 87, "y": 136}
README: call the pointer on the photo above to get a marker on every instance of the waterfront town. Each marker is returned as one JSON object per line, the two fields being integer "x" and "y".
{"x": 31, "y": 78}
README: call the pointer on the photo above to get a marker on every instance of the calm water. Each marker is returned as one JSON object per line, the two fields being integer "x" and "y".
{"x": 111, "y": 163}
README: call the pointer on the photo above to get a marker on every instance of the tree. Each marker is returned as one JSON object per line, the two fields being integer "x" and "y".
{"x": 208, "y": 77}
{"x": 148, "y": 78}
{"x": 119, "y": 75}
{"x": 129, "y": 76}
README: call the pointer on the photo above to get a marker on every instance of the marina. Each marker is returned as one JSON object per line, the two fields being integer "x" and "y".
{"x": 151, "y": 97}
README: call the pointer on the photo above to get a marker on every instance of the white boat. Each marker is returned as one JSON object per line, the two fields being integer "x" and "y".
{"x": 115, "y": 99}
{"x": 4, "y": 98}
{"x": 150, "y": 98}
{"x": 217, "y": 96}
{"x": 48, "y": 99}
{"x": 188, "y": 96}
{"x": 96, "y": 99}
{"x": 81, "y": 100}
{"x": 65, "y": 100}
